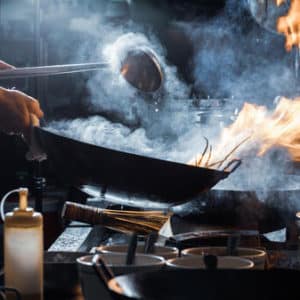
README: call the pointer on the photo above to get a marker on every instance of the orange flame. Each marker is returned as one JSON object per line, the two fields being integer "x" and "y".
{"x": 279, "y": 2}
{"x": 289, "y": 25}
{"x": 125, "y": 69}
{"x": 258, "y": 130}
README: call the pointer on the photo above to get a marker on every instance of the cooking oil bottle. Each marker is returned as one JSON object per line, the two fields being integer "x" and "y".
{"x": 23, "y": 249}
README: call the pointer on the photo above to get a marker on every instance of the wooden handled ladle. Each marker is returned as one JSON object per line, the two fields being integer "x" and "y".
{"x": 140, "y": 68}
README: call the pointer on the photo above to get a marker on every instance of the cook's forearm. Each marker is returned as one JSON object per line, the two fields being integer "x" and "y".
{"x": 4, "y": 65}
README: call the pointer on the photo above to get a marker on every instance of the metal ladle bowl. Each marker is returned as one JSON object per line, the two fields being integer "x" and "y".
{"x": 140, "y": 68}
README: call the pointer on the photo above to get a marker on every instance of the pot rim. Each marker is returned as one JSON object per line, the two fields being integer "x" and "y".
{"x": 157, "y": 260}
{"x": 158, "y": 248}
{"x": 253, "y": 252}
{"x": 248, "y": 264}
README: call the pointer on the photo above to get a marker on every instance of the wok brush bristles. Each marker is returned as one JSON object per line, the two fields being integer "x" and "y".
{"x": 141, "y": 222}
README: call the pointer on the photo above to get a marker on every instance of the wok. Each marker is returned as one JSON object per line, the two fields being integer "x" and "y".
{"x": 80, "y": 163}
{"x": 207, "y": 284}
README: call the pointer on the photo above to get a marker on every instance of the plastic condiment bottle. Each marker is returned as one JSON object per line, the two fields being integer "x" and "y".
{"x": 23, "y": 249}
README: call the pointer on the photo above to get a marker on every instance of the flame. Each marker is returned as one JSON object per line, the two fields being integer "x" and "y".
{"x": 279, "y": 2}
{"x": 257, "y": 130}
{"x": 124, "y": 69}
{"x": 289, "y": 25}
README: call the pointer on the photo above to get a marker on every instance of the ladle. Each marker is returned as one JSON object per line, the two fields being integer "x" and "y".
{"x": 103, "y": 272}
{"x": 130, "y": 257}
{"x": 232, "y": 244}
{"x": 140, "y": 68}
{"x": 150, "y": 242}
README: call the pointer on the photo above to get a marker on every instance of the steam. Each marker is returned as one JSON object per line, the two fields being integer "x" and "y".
{"x": 230, "y": 62}
{"x": 161, "y": 127}
{"x": 235, "y": 57}
{"x": 109, "y": 91}
{"x": 100, "y": 131}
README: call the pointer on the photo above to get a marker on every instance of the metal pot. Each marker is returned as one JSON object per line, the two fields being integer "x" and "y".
{"x": 94, "y": 289}
{"x": 258, "y": 256}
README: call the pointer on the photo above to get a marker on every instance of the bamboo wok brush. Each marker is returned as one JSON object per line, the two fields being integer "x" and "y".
{"x": 140, "y": 222}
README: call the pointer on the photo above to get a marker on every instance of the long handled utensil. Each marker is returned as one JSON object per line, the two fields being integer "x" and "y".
{"x": 28, "y": 72}
{"x": 140, "y": 68}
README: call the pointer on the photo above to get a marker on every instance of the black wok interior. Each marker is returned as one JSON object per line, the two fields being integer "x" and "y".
{"x": 208, "y": 285}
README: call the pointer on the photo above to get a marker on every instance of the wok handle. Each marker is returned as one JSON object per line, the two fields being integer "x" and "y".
{"x": 104, "y": 273}
{"x": 233, "y": 242}
{"x": 234, "y": 164}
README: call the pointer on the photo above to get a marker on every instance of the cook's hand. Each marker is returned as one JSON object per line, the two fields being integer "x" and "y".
{"x": 16, "y": 110}
{"x": 4, "y": 65}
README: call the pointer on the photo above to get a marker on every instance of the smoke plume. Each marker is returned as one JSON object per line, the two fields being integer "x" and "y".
{"x": 233, "y": 59}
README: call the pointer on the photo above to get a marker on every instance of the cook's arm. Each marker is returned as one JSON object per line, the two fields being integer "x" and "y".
{"x": 4, "y": 65}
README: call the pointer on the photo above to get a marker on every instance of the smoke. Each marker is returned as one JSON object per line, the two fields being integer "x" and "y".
{"x": 157, "y": 119}
{"x": 160, "y": 125}
{"x": 232, "y": 60}
{"x": 100, "y": 131}
{"x": 235, "y": 57}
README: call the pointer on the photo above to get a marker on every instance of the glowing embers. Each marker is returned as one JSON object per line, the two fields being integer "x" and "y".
{"x": 289, "y": 25}
{"x": 255, "y": 131}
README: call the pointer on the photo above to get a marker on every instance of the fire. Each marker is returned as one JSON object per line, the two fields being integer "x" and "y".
{"x": 279, "y": 2}
{"x": 124, "y": 69}
{"x": 289, "y": 25}
{"x": 256, "y": 130}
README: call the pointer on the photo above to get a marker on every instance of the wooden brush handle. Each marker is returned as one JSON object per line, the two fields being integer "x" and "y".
{"x": 83, "y": 213}
{"x": 116, "y": 220}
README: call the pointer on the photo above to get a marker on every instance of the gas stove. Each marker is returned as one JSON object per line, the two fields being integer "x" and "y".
{"x": 189, "y": 227}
